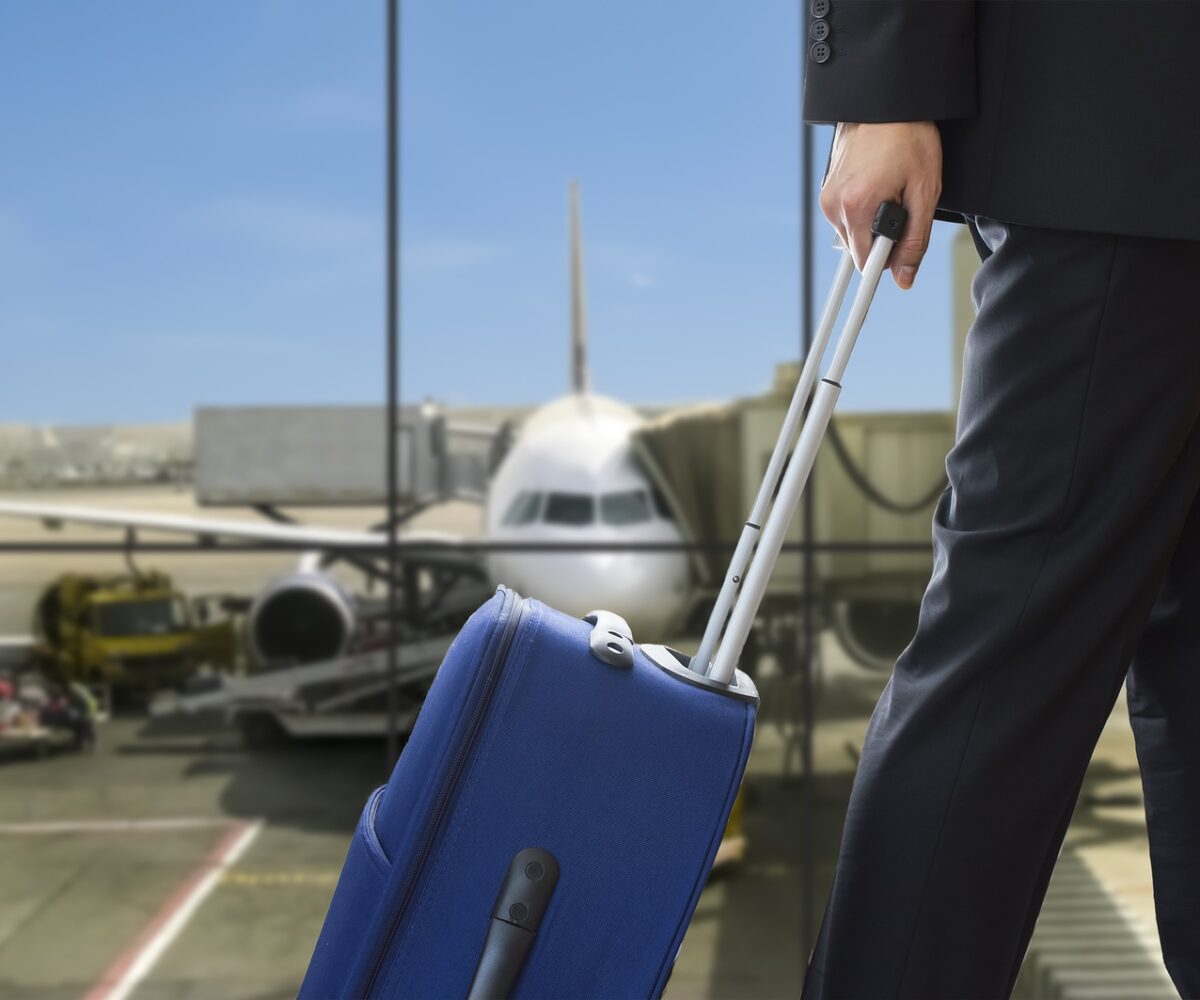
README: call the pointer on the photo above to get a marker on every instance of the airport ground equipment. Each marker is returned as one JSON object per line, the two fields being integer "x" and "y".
{"x": 34, "y": 740}
{"x": 27, "y": 732}
{"x": 131, "y": 631}
{"x": 549, "y": 826}
{"x": 337, "y": 698}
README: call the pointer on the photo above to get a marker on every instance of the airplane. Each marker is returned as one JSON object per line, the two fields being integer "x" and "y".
{"x": 570, "y": 476}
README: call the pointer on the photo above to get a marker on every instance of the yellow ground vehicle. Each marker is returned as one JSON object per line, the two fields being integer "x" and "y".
{"x": 128, "y": 630}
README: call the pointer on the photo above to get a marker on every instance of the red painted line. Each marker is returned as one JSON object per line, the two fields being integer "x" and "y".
{"x": 131, "y": 965}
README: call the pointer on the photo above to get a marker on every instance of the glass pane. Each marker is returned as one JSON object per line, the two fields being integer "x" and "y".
{"x": 138, "y": 617}
{"x": 524, "y": 508}
{"x": 625, "y": 507}
{"x": 570, "y": 508}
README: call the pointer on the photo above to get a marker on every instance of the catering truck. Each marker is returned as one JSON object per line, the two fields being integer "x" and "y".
{"x": 130, "y": 631}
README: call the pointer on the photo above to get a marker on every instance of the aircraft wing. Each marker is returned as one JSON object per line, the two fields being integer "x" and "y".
{"x": 55, "y": 515}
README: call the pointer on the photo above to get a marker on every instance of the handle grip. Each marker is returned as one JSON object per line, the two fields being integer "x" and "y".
{"x": 890, "y": 221}
{"x": 520, "y": 905}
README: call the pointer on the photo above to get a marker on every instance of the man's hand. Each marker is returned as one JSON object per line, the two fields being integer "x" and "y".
{"x": 873, "y": 163}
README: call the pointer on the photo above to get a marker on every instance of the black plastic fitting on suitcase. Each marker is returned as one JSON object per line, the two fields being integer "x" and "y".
{"x": 520, "y": 905}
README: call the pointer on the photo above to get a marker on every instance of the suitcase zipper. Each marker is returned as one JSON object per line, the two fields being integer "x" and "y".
{"x": 490, "y": 682}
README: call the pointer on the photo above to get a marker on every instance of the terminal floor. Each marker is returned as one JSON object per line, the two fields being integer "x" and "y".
{"x": 93, "y": 848}
{"x": 96, "y": 850}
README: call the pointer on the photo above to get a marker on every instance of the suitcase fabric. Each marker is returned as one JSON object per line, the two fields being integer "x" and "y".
{"x": 527, "y": 739}
{"x": 623, "y": 767}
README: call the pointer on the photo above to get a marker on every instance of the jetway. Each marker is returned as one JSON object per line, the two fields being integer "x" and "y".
{"x": 332, "y": 455}
{"x": 876, "y": 480}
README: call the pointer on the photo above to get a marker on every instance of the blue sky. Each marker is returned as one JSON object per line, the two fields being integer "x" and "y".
{"x": 191, "y": 207}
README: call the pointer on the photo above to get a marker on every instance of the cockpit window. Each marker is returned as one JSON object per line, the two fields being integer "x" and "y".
{"x": 570, "y": 508}
{"x": 524, "y": 508}
{"x": 660, "y": 506}
{"x": 625, "y": 507}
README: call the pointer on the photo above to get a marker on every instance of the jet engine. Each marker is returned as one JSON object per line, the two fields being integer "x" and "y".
{"x": 302, "y": 617}
{"x": 874, "y": 631}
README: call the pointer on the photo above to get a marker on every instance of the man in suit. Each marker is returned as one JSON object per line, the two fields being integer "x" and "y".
{"x": 1067, "y": 544}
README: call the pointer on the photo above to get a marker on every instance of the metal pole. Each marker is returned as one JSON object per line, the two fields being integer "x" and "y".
{"x": 795, "y": 479}
{"x": 392, "y": 409}
{"x": 814, "y": 351}
{"x": 808, "y": 645}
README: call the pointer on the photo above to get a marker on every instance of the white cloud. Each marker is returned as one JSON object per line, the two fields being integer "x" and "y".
{"x": 314, "y": 109}
{"x": 294, "y": 227}
{"x": 639, "y": 264}
{"x": 333, "y": 107}
{"x": 437, "y": 256}
{"x": 226, "y": 343}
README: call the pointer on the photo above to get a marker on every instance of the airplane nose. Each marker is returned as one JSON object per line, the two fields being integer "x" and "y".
{"x": 646, "y": 589}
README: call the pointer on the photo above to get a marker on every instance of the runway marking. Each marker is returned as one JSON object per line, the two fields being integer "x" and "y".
{"x": 150, "y": 825}
{"x": 136, "y": 961}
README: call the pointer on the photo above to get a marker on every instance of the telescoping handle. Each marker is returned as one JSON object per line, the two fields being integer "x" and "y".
{"x": 720, "y": 662}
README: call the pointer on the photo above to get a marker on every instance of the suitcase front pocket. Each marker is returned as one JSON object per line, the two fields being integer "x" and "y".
{"x": 361, "y": 888}
{"x": 366, "y": 833}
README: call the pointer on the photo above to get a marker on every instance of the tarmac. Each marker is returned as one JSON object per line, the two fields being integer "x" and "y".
{"x": 175, "y": 863}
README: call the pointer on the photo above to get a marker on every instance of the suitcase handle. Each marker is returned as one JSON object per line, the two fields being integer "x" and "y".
{"x": 742, "y": 591}
{"x": 516, "y": 916}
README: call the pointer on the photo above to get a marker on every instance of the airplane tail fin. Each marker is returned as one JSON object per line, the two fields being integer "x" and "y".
{"x": 580, "y": 375}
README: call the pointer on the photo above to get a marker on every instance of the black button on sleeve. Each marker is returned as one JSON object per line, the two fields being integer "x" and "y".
{"x": 819, "y": 52}
{"x": 819, "y": 30}
{"x": 819, "y": 8}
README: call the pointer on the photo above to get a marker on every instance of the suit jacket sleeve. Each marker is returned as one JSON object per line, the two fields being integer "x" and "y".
{"x": 890, "y": 61}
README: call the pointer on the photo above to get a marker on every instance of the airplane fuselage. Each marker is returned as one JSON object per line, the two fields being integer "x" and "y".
{"x": 571, "y": 477}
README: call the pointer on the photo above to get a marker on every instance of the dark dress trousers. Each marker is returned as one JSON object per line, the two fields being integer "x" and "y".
{"x": 1067, "y": 543}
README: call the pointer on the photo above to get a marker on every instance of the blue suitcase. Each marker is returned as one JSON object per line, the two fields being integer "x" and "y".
{"x": 624, "y": 773}
{"x": 551, "y": 822}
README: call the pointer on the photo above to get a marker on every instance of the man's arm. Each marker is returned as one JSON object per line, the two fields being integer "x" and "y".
{"x": 886, "y": 71}
{"x": 889, "y": 60}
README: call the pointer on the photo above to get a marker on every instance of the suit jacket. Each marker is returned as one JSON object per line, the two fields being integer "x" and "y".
{"x": 1066, "y": 115}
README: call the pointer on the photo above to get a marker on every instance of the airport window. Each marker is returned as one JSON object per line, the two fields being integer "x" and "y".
{"x": 570, "y": 508}
{"x": 625, "y": 507}
{"x": 524, "y": 509}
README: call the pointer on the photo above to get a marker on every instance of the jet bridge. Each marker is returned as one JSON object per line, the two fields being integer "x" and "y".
{"x": 333, "y": 455}
{"x": 877, "y": 478}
